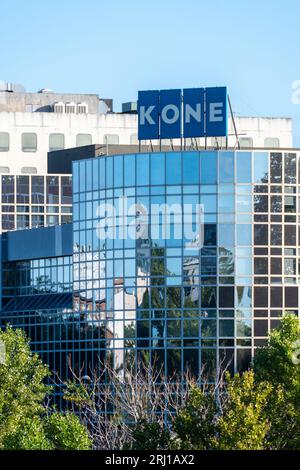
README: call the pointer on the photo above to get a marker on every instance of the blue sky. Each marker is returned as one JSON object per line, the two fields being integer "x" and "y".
{"x": 117, "y": 47}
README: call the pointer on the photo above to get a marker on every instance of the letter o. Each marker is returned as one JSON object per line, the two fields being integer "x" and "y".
{"x": 174, "y": 109}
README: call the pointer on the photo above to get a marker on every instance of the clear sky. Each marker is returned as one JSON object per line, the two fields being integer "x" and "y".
{"x": 116, "y": 47}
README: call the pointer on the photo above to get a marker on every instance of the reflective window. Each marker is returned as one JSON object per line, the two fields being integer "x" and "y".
{"x": 272, "y": 143}
{"x": 129, "y": 170}
{"x": 244, "y": 234}
{"x": 29, "y": 170}
{"x": 4, "y": 141}
{"x": 243, "y": 167}
{"x": 84, "y": 139}
{"x": 261, "y": 171}
{"x": 157, "y": 163}
{"x": 23, "y": 189}
{"x": 208, "y": 161}
{"x": 66, "y": 190}
{"x": 4, "y": 169}
{"x": 246, "y": 142}
{"x": 134, "y": 139}
{"x": 52, "y": 190}
{"x": 142, "y": 169}
{"x": 276, "y": 167}
{"x": 173, "y": 167}
{"x": 29, "y": 142}
{"x": 290, "y": 168}
{"x": 56, "y": 142}
{"x": 111, "y": 139}
{"x": 226, "y": 167}
{"x": 190, "y": 167}
{"x": 226, "y": 236}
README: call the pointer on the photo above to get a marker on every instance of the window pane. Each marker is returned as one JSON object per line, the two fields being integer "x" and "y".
{"x": 52, "y": 190}
{"x": 260, "y": 167}
{"x": 110, "y": 139}
{"x": 142, "y": 169}
{"x": 208, "y": 161}
{"x": 243, "y": 167}
{"x": 246, "y": 142}
{"x": 290, "y": 168}
{"x": 157, "y": 163}
{"x": 173, "y": 169}
{"x": 190, "y": 168}
{"x": 276, "y": 167}
{"x": 8, "y": 189}
{"x": 29, "y": 142}
{"x": 66, "y": 190}
{"x": 272, "y": 143}
{"x": 226, "y": 167}
{"x": 83, "y": 139}
{"x": 56, "y": 142}
{"x": 23, "y": 189}
{"x": 4, "y": 141}
{"x": 129, "y": 170}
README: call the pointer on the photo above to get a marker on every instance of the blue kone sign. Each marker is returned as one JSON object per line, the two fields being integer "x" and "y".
{"x": 193, "y": 112}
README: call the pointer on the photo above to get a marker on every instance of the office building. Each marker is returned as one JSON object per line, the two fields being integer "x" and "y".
{"x": 187, "y": 304}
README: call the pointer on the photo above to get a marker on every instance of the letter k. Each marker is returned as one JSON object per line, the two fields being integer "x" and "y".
{"x": 145, "y": 115}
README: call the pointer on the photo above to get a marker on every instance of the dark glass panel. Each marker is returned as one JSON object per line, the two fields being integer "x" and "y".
{"x": 276, "y": 266}
{"x": 276, "y": 297}
{"x": 276, "y": 235}
{"x": 276, "y": 168}
{"x": 52, "y": 190}
{"x": 291, "y": 297}
{"x": 261, "y": 234}
{"x": 260, "y": 265}
{"x": 243, "y": 359}
{"x": 66, "y": 189}
{"x": 226, "y": 297}
{"x": 261, "y": 296}
{"x": 290, "y": 168}
{"x": 290, "y": 235}
{"x": 37, "y": 190}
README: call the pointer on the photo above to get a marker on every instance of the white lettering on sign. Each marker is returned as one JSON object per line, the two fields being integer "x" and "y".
{"x": 145, "y": 115}
{"x": 194, "y": 113}
{"x": 215, "y": 112}
{"x": 174, "y": 110}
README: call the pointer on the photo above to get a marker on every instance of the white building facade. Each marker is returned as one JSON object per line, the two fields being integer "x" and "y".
{"x": 32, "y": 124}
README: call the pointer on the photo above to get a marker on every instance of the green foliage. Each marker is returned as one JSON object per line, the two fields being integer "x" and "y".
{"x": 65, "y": 432}
{"x": 195, "y": 424}
{"x": 28, "y": 435}
{"x": 274, "y": 364}
{"x": 22, "y": 390}
{"x": 149, "y": 436}
{"x": 256, "y": 410}
{"x": 244, "y": 424}
{"x": 23, "y": 421}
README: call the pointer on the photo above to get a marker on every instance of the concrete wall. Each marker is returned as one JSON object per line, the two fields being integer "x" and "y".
{"x": 18, "y": 102}
{"x": 98, "y": 125}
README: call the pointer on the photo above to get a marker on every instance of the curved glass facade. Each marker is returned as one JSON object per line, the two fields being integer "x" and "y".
{"x": 161, "y": 297}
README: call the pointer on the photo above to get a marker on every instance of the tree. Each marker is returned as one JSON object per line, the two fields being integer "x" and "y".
{"x": 195, "y": 423}
{"x": 276, "y": 364}
{"x": 244, "y": 424}
{"x": 25, "y": 420}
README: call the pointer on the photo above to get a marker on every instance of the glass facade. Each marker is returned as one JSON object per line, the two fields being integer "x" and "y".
{"x": 165, "y": 299}
{"x": 158, "y": 300}
{"x": 29, "y": 201}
